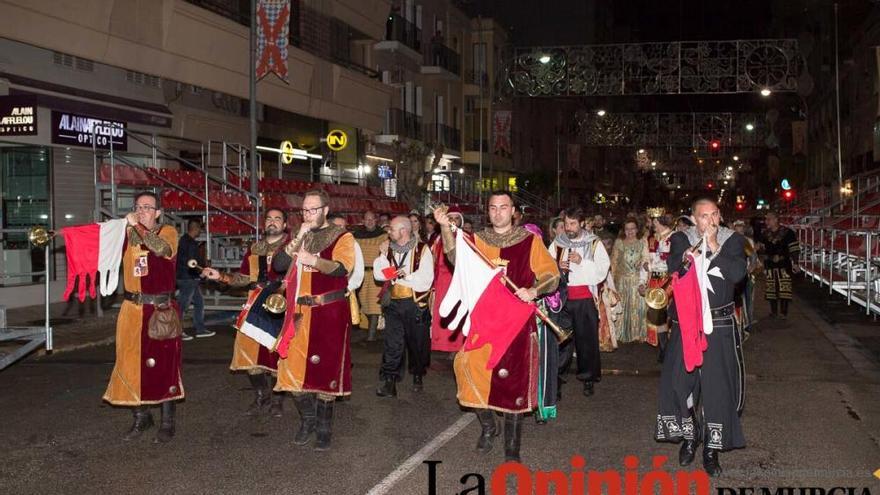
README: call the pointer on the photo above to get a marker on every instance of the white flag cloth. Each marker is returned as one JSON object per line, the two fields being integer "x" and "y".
{"x": 472, "y": 276}
{"x": 110, "y": 254}
{"x": 356, "y": 277}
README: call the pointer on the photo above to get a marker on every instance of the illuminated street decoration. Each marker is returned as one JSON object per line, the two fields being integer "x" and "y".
{"x": 680, "y": 67}
{"x": 691, "y": 130}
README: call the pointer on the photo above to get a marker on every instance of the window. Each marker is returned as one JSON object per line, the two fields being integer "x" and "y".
{"x": 24, "y": 182}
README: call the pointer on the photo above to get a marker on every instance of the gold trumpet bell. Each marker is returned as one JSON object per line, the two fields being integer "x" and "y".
{"x": 656, "y": 298}
{"x": 276, "y": 304}
{"x": 39, "y": 236}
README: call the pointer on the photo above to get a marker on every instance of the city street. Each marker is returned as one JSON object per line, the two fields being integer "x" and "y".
{"x": 811, "y": 419}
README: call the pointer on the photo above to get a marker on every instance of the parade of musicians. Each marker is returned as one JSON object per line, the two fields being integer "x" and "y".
{"x": 440, "y": 246}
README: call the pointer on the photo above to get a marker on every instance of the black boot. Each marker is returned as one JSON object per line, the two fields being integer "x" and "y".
{"x": 417, "y": 383}
{"x": 388, "y": 388}
{"x": 489, "y": 430}
{"x": 260, "y": 384}
{"x": 588, "y": 388}
{"x": 372, "y": 328}
{"x": 166, "y": 426}
{"x": 774, "y": 308}
{"x": 143, "y": 421}
{"x": 687, "y": 452}
{"x": 512, "y": 436}
{"x": 662, "y": 342}
{"x": 710, "y": 462}
{"x": 325, "y": 422}
{"x": 783, "y": 309}
{"x": 276, "y": 406}
{"x": 306, "y": 406}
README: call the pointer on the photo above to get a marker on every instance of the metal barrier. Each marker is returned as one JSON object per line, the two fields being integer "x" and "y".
{"x": 30, "y": 337}
{"x": 846, "y": 261}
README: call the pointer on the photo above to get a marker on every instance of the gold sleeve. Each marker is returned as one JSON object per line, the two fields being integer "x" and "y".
{"x": 343, "y": 253}
{"x": 163, "y": 244}
{"x": 544, "y": 267}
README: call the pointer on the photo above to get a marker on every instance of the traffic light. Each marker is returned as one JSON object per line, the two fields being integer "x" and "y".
{"x": 788, "y": 195}
{"x": 740, "y": 206}
{"x": 714, "y": 147}
{"x": 710, "y": 185}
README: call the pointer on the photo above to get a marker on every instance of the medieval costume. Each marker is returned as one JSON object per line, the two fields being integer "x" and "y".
{"x": 703, "y": 370}
{"x": 781, "y": 247}
{"x": 368, "y": 295}
{"x": 257, "y": 274}
{"x": 657, "y": 319}
{"x": 582, "y": 280}
{"x": 509, "y": 386}
{"x": 628, "y": 266}
{"x": 316, "y": 364}
{"x": 407, "y": 314}
{"x": 148, "y": 344}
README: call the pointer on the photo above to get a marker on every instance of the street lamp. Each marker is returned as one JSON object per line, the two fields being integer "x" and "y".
{"x": 766, "y": 92}
{"x": 600, "y": 113}
{"x": 750, "y": 127}
{"x": 545, "y": 59}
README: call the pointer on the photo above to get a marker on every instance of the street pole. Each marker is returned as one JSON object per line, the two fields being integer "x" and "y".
{"x": 480, "y": 75}
{"x": 837, "y": 91}
{"x": 558, "y": 160}
{"x": 255, "y": 178}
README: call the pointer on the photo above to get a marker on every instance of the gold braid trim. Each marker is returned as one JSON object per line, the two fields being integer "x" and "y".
{"x": 507, "y": 239}
{"x": 316, "y": 241}
{"x": 150, "y": 238}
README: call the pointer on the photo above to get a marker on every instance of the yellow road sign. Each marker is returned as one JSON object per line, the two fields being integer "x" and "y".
{"x": 286, "y": 152}
{"x": 337, "y": 140}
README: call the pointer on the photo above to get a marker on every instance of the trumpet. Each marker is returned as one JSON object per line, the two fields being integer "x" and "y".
{"x": 658, "y": 297}
{"x": 39, "y": 236}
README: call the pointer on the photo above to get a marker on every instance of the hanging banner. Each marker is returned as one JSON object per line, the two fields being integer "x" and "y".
{"x": 79, "y": 130}
{"x": 18, "y": 115}
{"x": 501, "y": 132}
{"x": 273, "y": 28}
{"x": 799, "y": 137}
{"x": 574, "y": 157}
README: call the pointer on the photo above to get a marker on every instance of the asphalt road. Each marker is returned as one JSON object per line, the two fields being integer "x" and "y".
{"x": 811, "y": 419}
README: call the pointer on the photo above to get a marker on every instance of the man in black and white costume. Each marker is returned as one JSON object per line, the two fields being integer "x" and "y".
{"x": 715, "y": 388}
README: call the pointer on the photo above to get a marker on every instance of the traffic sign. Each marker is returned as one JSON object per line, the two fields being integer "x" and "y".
{"x": 286, "y": 151}
{"x": 337, "y": 140}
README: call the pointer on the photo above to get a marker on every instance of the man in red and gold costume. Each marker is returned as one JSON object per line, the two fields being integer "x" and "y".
{"x": 659, "y": 245}
{"x": 256, "y": 273}
{"x": 148, "y": 354}
{"x": 509, "y": 387}
{"x": 317, "y": 366}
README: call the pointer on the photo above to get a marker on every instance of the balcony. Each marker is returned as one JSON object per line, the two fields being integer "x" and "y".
{"x": 445, "y": 135}
{"x": 442, "y": 61}
{"x": 401, "y": 124}
{"x": 402, "y": 36}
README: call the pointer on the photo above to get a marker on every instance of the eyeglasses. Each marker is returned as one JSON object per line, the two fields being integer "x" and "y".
{"x": 143, "y": 208}
{"x": 311, "y": 211}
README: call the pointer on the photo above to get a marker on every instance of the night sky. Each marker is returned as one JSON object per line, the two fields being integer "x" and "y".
{"x": 614, "y": 21}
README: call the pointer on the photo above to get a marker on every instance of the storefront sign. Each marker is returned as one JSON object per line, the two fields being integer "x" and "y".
{"x": 18, "y": 115}
{"x": 337, "y": 140}
{"x": 79, "y": 130}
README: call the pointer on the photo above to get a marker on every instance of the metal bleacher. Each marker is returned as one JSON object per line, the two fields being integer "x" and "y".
{"x": 211, "y": 181}
{"x": 840, "y": 242}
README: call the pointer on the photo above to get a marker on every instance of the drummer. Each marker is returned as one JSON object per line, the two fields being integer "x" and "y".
{"x": 256, "y": 271}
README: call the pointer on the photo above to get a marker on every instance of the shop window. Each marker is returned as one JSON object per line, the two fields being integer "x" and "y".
{"x": 24, "y": 182}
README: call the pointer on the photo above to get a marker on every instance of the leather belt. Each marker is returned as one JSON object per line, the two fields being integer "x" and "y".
{"x": 659, "y": 274}
{"x": 154, "y": 299}
{"x": 723, "y": 311}
{"x": 321, "y": 299}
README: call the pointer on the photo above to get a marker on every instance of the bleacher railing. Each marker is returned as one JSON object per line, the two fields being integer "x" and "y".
{"x": 846, "y": 261}
{"x": 29, "y": 337}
